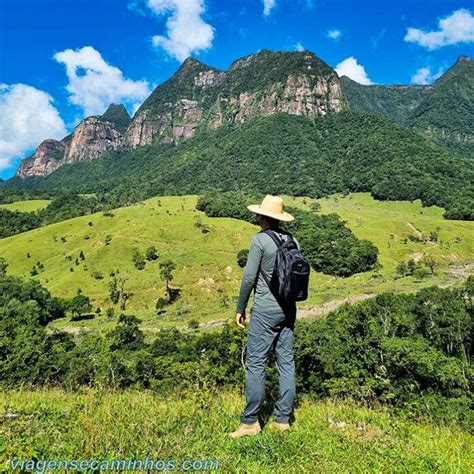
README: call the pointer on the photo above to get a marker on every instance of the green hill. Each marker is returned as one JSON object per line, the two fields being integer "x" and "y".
{"x": 443, "y": 111}
{"x": 395, "y": 102}
{"x": 29, "y": 205}
{"x": 207, "y": 272}
{"x": 447, "y": 114}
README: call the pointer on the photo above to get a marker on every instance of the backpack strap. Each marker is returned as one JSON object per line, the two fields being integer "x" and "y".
{"x": 272, "y": 233}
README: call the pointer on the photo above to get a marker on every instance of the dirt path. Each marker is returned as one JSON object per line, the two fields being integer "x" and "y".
{"x": 418, "y": 232}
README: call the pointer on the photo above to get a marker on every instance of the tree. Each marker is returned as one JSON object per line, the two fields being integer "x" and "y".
{"x": 166, "y": 275}
{"x": 114, "y": 293}
{"x": 402, "y": 269}
{"x": 411, "y": 266}
{"x": 151, "y": 253}
{"x": 430, "y": 261}
{"x": 242, "y": 258}
{"x": 81, "y": 255}
{"x": 160, "y": 305}
{"x": 127, "y": 334}
{"x": 123, "y": 294}
{"x": 79, "y": 305}
{"x": 138, "y": 259}
{"x": 3, "y": 266}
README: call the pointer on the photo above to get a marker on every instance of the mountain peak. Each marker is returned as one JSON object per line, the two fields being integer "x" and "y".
{"x": 117, "y": 114}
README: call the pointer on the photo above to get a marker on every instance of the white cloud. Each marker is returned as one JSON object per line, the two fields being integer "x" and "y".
{"x": 453, "y": 29}
{"x": 186, "y": 31}
{"x": 334, "y": 34}
{"x": 27, "y": 116}
{"x": 351, "y": 68}
{"x": 299, "y": 46}
{"x": 268, "y": 6}
{"x": 94, "y": 84}
{"x": 425, "y": 76}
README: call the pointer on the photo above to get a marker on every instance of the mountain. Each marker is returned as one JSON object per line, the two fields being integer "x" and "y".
{"x": 447, "y": 114}
{"x": 200, "y": 96}
{"x": 257, "y": 85}
{"x": 443, "y": 111}
{"x": 93, "y": 136}
{"x": 395, "y": 102}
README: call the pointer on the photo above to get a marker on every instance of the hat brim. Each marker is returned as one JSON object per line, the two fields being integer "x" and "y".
{"x": 283, "y": 216}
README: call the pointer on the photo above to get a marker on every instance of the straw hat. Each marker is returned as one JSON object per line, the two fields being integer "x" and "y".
{"x": 272, "y": 206}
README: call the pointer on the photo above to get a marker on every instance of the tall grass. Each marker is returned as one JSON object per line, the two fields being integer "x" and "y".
{"x": 327, "y": 436}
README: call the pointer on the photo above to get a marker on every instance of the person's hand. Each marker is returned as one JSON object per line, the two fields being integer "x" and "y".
{"x": 241, "y": 320}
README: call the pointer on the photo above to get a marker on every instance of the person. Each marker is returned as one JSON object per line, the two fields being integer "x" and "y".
{"x": 271, "y": 323}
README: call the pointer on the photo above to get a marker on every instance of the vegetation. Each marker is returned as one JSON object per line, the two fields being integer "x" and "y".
{"x": 170, "y": 229}
{"x": 443, "y": 111}
{"x": 60, "y": 208}
{"x": 343, "y": 152}
{"x": 394, "y": 102}
{"x": 118, "y": 116}
{"x": 412, "y": 352}
{"x": 329, "y": 246}
{"x": 192, "y": 424}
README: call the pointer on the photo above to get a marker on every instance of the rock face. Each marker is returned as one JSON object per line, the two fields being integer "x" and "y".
{"x": 262, "y": 84}
{"x": 45, "y": 159}
{"x": 92, "y": 137}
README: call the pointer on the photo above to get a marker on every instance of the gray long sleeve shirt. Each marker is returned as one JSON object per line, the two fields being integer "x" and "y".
{"x": 262, "y": 252}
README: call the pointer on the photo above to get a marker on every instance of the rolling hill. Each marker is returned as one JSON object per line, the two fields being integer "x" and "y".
{"x": 207, "y": 272}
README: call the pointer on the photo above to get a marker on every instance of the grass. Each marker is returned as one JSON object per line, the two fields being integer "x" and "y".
{"x": 206, "y": 264}
{"x": 26, "y": 206}
{"x": 326, "y": 437}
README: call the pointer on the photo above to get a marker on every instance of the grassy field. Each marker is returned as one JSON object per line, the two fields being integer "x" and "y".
{"x": 193, "y": 425}
{"x": 26, "y": 206}
{"x": 207, "y": 272}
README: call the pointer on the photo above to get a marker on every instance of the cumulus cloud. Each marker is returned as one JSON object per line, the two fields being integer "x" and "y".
{"x": 334, "y": 34}
{"x": 299, "y": 46}
{"x": 425, "y": 76}
{"x": 268, "y": 6}
{"x": 351, "y": 68}
{"x": 94, "y": 84}
{"x": 27, "y": 116}
{"x": 186, "y": 31}
{"x": 452, "y": 29}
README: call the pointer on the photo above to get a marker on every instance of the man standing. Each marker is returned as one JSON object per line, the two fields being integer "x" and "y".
{"x": 271, "y": 322}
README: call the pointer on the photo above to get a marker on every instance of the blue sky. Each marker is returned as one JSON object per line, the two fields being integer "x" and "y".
{"x": 61, "y": 60}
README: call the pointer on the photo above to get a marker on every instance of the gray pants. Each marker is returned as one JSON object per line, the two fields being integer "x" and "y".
{"x": 265, "y": 331}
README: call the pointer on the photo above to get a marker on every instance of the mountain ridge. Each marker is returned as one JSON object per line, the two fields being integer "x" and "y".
{"x": 199, "y": 96}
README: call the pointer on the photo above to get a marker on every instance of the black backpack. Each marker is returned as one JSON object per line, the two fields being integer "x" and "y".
{"x": 290, "y": 277}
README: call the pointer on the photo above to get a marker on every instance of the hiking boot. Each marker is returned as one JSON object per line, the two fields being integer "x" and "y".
{"x": 275, "y": 426}
{"x": 246, "y": 430}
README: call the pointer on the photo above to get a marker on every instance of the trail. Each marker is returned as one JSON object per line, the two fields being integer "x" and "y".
{"x": 418, "y": 232}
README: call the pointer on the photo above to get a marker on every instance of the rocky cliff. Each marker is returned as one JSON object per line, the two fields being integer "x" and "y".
{"x": 262, "y": 84}
{"x": 92, "y": 137}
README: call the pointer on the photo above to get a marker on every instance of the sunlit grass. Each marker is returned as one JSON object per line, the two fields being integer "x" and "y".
{"x": 326, "y": 436}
